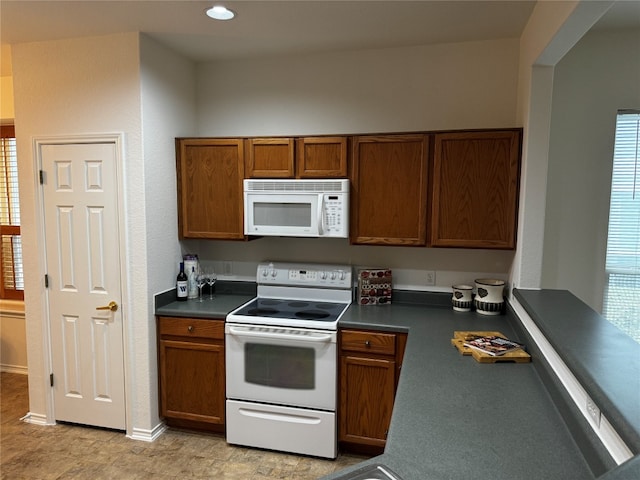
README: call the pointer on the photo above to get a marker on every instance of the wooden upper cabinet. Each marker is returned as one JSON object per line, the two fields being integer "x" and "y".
{"x": 210, "y": 201}
{"x": 318, "y": 157}
{"x": 304, "y": 157}
{"x": 389, "y": 176}
{"x": 270, "y": 158}
{"x": 475, "y": 189}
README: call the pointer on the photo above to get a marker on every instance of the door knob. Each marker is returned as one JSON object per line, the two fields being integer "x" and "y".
{"x": 113, "y": 306}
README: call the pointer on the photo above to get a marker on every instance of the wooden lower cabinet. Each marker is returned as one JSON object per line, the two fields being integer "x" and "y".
{"x": 192, "y": 372}
{"x": 369, "y": 370}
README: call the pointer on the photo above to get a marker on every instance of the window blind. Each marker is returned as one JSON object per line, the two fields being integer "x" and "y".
{"x": 12, "y": 285}
{"x": 623, "y": 244}
{"x": 622, "y": 295}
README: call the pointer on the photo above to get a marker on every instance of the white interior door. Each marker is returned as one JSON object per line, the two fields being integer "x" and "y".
{"x": 83, "y": 272}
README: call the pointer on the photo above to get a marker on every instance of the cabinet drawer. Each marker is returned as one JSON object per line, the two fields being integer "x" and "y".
{"x": 371, "y": 342}
{"x": 192, "y": 327}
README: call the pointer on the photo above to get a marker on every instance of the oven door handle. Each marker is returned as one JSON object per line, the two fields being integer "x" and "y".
{"x": 317, "y": 338}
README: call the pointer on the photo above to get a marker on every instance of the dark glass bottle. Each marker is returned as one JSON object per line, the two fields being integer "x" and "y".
{"x": 182, "y": 289}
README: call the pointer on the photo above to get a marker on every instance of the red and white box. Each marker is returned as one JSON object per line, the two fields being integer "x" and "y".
{"x": 374, "y": 286}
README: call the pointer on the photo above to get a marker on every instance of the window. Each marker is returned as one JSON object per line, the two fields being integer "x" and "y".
{"x": 622, "y": 295}
{"x": 12, "y": 284}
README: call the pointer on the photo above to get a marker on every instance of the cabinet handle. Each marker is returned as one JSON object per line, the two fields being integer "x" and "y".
{"x": 367, "y": 343}
{"x": 190, "y": 328}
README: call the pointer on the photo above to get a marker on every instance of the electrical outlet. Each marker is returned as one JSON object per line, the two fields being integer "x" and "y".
{"x": 594, "y": 411}
{"x": 430, "y": 278}
{"x": 227, "y": 269}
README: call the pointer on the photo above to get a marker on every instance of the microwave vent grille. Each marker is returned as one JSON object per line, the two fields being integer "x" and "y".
{"x": 295, "y": 186}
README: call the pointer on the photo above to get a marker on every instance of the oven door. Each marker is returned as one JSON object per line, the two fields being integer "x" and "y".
{"x": 283, "y": 366}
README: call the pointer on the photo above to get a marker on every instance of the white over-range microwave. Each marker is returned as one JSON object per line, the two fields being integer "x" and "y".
{"x": 296, "y": 208}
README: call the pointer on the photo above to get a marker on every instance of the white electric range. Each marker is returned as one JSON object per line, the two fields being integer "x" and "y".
{"x": 281, "y": 359}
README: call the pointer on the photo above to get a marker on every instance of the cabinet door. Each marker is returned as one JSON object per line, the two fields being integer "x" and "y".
{"x": 210, "y": 174}
{"x": 475, "y": 189}
{"x": 367, "y": 388}
{"x": 192, "y": 381}
{"x": 270, "y": 158}
{"x": 389, "y": 190}
{"x": 319, "y": 157}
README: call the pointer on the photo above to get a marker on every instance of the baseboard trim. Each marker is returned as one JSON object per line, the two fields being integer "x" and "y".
{"x": 148, "y": 435}
{"x": 4, "y": 368}
{"x": 36, "y": 419}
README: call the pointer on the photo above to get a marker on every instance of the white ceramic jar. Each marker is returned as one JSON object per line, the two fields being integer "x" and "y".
{"x": 462, "y": 298}
{"x": 489, "y": 297}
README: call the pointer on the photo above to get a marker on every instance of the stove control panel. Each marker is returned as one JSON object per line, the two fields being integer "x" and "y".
{"x": 298, "y": 274}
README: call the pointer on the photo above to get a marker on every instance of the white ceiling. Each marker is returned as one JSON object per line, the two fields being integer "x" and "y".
{"x": 268, "y": 28}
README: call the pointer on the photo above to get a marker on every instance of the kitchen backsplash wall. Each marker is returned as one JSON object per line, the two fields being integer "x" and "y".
{"x": 238, "y": 260}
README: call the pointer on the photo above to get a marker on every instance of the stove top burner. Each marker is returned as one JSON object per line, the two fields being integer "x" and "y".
{"x": 284, "y": 311}
{"x": 257, "y": 312}
{"x": 312, "y": 315}
{"x": 298, "y": 304}
{"x": 269, "y": 301}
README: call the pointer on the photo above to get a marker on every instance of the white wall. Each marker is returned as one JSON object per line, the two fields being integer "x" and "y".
{"x": 600, "y": 75}
{"x": 168, "y": 111}
{"x": 552, "y": 30}
{"x": 73, "y": 87}
{"x": 448, "y": 86}
{"x": 13, "y": 340}
{"x": 120, "y": 83}
{"x": 6, "y": 99}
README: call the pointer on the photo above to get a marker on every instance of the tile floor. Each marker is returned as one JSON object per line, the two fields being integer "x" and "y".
{"x": 73, "y": 452}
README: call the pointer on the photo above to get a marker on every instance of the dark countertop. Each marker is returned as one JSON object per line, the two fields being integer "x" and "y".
{"x": 456, "y": 418}
{"x": 228, "y": 296}
{"x": 216, "y": 308}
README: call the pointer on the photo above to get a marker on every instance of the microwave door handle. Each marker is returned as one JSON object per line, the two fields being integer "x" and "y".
{"x": 320, "y": 216}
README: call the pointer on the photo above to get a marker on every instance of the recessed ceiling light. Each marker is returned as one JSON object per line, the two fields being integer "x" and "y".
{"x": 220, "y": 12}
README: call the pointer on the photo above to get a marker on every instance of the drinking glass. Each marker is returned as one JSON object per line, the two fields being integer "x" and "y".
{"x": 201, "y": 279}
{"x": 211, "y": 281}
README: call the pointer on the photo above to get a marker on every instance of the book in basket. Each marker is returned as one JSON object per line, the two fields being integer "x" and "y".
{"x": 493, "y": 345}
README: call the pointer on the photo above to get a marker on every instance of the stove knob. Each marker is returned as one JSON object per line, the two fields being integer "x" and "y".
{"x": 264, "y": 272}
{"x": 342, "y": 274}
{"x": 323, "y": 275}
{"x": 333, "y": 275}
{"x": 274, "y": 272}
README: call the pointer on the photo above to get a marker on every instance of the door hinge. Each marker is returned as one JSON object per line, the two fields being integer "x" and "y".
{"x": 46, "y": 281}
{"x": 41, "y": 177}
{"x": 51, "y": 379}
